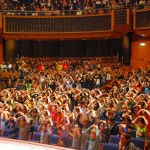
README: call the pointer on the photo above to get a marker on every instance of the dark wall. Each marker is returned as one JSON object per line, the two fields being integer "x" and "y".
{"x": 73, "y": 48}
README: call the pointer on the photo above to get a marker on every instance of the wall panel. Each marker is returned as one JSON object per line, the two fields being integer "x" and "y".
{"x": 38, "y": 48}
{"x": 26, "y": 49}
{"x": 77, "y": 48}
{"x": 90, "y": 48}
{"x": 140, "y": 55}
{"x": 64, "y": 48}
{"x": 51, "y": 48}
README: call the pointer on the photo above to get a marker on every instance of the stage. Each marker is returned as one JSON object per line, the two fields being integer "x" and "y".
{"x": 9, "y": 144}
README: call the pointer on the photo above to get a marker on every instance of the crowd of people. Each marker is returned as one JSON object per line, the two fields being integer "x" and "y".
{"x": 67, "y": 7}
{"x": 71, "y": 99}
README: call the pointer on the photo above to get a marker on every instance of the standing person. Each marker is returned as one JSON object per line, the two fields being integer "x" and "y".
{"x": 13, "y": 129}
{"x": 76, "y": 138}
{"x": 93, "y": 134}
{"x": 24, "y": 126}
{"x": 125, "y": 143}
{"x": 45, "y": 133}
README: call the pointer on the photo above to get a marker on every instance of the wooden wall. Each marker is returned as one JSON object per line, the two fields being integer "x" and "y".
{"x": 140, "y": 55}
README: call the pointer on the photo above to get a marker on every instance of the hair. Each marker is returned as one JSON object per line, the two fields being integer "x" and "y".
{"x": 111, "y": 119}
{"x": 12, "y": 120}
{"x": 141, "y": 120}
{"x": 93, "y": 131}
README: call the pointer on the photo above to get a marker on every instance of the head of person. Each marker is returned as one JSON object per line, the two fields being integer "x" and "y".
{"x": 141, "y": 122}
{"x": 125, "y": 138}
{"x": 110, "y": 121}
{"x": 127, "y": 120}
{"x": 102, "y": 126}
{"x": 11, "y": 122}
{"x": 22, "y": 121}
{"x": 93, "y": 134}
{"x": 34, "y": 112}
{"x": 76, "y": 130}
{"x": 44, "y": 127}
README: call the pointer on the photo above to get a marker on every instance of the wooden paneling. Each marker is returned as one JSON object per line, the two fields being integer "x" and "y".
{"x": 141, "y": 19}
{"x": 49, "y": 24}
{"x": 1, "y": 51}
{"x": 1, "y": 25}
{"x": 58, "y": 36}
{"x": 140, "y": 55}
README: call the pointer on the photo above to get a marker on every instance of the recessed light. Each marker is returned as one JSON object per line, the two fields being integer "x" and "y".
{"x": 142, "y": 44}
{"x": 143, "y": 35}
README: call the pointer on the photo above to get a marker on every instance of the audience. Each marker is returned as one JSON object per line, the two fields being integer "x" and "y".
{"x": 125, "y": 143}
{"x": 68, "y": 98}
{"x": 67, "y": 7}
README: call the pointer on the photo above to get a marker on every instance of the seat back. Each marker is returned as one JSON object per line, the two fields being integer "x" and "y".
{"x": 36, "y": 136}
{"x": 6, "y": 132}
{"x": 36, "y": 127}
{"x": 138, "y": 142}
{"x": 133, "y": 134}
{"x": 114, "y": 139}
{"x": 54, "y": 139}
{"x": 107, "y": 146}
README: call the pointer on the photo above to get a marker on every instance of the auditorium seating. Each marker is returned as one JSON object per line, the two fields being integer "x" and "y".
{"x": 54, "y": 139}
{"x": 36, "y": 137}
{"x": 139, "y": 143}
{"x": 114, "y": 139}
{"x": 107, "y": 146}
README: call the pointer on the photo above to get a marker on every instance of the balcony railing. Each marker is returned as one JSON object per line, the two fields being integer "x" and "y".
{"x": 49, "y": 24}
{"x": 141, "y": 19}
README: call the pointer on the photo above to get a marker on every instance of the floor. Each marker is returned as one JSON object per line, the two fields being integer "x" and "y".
{"x": 9, "y": 144}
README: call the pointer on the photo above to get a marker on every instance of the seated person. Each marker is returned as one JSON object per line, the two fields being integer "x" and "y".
{"x": 140, "y": 124}
{"x": 125, "y": 143}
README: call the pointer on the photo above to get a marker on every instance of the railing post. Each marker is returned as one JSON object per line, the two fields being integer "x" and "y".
{"x": 134, "y": 19}
{"x": 112, "y": 20}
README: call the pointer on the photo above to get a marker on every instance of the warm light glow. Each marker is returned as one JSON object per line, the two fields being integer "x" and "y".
{"x": 142, "y": 44}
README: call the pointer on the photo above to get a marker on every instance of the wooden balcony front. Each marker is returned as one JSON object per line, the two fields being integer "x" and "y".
{"x": 94, "y": 26}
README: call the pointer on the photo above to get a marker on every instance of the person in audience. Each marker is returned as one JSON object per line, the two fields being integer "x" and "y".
{"x": 24, "y": 126}
{"x": 45, "y": 133}
{"x": 13, "y": 129}
{"x": 93, "y": 134}
{"x": 125, "y": 143}
{"x": 140, "y": 124}
{"x": 76, "y": 135}
{"x": 85, "y": 103}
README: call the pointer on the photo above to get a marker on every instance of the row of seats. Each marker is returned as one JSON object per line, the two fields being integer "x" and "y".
{"x": 36, "y": 138}
{"x": 114, "y": 140}
{"x": 138, "y": 142}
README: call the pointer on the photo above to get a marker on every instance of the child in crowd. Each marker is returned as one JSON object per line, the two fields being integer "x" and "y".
{"x": 76, "y": 135}
{"x": 140, "y": 124}
{"x": 13, "y": 129}
{"x": 45, "y": 133}
{"x": 93, "y": 134}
